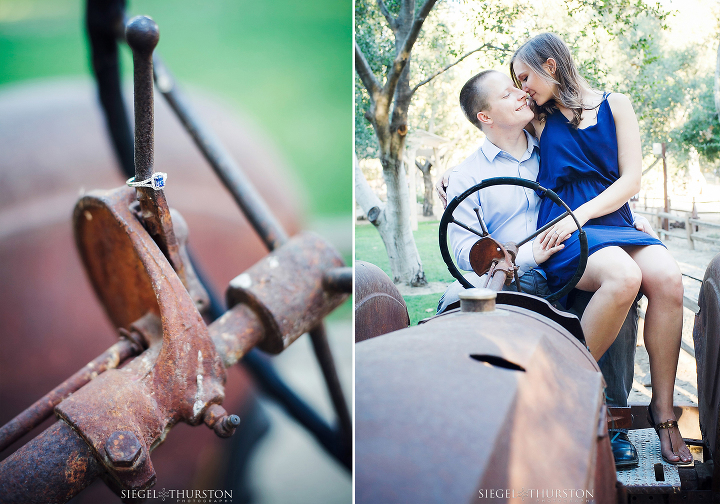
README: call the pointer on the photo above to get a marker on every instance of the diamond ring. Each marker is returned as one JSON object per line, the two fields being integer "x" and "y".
{"x": 156, "y": 181}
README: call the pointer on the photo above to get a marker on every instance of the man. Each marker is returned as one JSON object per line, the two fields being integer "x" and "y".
{"x": 492, "y": 103}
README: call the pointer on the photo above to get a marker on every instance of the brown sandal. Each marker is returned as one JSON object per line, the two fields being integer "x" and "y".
{"x": 669, "y": 424}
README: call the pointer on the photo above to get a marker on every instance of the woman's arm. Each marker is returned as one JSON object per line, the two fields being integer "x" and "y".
{"x": 630, "y": 169}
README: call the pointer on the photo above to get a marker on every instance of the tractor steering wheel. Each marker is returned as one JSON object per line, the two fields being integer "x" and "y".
{"x": 448, "y": 218}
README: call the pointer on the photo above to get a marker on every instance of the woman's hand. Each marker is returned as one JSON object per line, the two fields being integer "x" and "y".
{"x": 539, "y": 253}
{"x": 441, "y": 186}
{"x": 562, "y": 230}
{"x": 642, "y": 224}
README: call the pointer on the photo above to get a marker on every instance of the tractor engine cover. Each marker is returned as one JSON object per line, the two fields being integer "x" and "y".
{"x": 706, "y": 337}
{"x": 472, "y": 402}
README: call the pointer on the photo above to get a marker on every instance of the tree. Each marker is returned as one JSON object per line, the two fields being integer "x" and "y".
{"x": 387, "y": 112}
{"x": 429, "y": 188}
{"x": 388, "y": 32}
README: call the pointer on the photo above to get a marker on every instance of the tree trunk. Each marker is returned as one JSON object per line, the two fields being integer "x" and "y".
{"x": 393, "y": 223}
{"x": 428, "y": 181}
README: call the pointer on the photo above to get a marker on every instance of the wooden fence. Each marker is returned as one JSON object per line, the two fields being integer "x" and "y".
{"x": 689, "y": 234}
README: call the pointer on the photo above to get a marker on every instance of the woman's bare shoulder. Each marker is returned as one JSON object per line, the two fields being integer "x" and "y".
{"x": 620, "y": 104}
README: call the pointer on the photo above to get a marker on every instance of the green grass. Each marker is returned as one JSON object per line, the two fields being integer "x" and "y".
{"x": 369, "y": 247}
{"x": 418, "y": 306}
{"x": 285, "y": 64}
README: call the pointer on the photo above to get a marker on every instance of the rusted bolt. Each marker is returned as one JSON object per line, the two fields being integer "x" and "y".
{"x": 226, "y": 427}
{"x": 218, "y": 419}
{"x": 123, "y": 448}
{"x": 477, "y": 300}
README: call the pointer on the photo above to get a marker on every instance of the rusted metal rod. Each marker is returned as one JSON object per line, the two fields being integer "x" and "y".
{"x": 324, "y": 356}
{"x": 242, "y": 190}
{"x": 142, "y": 36}
{"x": 58, "y": 464}
{"x": 339, "y": 280}
{"x": 234, "y": 334}
{"x": 249, "y": 200}
{"x": 42, "y": 409}
{"x": 52, "y": 468}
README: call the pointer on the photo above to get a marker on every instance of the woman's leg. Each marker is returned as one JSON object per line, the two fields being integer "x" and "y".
{"x": 615, "y": 278}
{"x": 662, "y": 285}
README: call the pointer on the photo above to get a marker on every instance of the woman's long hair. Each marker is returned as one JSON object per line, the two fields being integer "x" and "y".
{"x": 534, "y": 53}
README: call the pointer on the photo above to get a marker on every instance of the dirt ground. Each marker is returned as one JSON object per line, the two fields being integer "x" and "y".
{"x": 692, "y": 263}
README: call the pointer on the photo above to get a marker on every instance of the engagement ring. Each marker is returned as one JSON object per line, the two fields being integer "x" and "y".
{"x": 156, "y": 181}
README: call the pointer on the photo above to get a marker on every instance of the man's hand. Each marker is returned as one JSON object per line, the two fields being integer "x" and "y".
{"x": 643, "y": 225}
{"x": 541, "y": 254}
{"x": 441, "y": 186}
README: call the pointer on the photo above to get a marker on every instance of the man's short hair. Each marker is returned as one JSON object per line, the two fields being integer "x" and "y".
{"x": 474, "y": 97}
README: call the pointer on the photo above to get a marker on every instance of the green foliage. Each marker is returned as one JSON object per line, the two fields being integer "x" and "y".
{"x": 616, "y": 17}
{"x": 702, "y": 128}
{"x": 366, "y": 144}
{"x": 615, "y": 43}
{"x": 284, "y": 64}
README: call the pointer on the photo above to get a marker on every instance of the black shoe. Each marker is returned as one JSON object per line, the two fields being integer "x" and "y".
{"x": 623, "y": 451}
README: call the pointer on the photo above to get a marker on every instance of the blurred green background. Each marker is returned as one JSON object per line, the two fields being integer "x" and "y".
{"x": 285, "y": 64}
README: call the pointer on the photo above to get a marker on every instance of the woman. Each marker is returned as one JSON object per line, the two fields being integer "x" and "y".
{"x": 590, "y": 156}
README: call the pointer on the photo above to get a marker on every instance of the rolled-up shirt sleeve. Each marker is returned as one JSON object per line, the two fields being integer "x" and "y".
{"x": 525, "y": 259}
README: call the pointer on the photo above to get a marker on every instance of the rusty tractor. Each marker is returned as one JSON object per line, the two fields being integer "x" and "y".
{"x": 498, "y": 398}
{"x": 177, "y": 341}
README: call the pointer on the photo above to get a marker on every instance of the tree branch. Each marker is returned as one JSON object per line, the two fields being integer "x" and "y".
{"x": 403, "y": 54}
{"x": 445, "y": 69}
{"x": 362, "y": 67}
{"x": 388, "y": 17}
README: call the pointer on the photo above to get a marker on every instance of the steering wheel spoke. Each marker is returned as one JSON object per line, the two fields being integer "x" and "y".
{"x": 448, "y": 219}
{"x": 468, "y": 228}
{"x": 544, "y": 228}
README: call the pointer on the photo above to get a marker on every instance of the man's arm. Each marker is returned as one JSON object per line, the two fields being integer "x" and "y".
{"x": 462, "y": 240}
{"x": 530, "y": 255}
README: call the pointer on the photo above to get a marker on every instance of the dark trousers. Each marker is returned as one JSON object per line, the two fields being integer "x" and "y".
{"x": 618, "y": 362}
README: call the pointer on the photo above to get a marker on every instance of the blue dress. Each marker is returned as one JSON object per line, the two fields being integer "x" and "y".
{"x": 579, "y": 164}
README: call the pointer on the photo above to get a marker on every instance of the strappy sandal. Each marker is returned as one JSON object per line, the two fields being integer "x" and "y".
{"x": 669, "y": 424}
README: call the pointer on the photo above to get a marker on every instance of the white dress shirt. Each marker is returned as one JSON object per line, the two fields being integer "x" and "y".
{"x": 510, "y": 212}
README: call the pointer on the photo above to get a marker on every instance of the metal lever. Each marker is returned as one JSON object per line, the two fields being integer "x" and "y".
{"x": 142, "y": 36}
{"x": 482, "y": 222}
